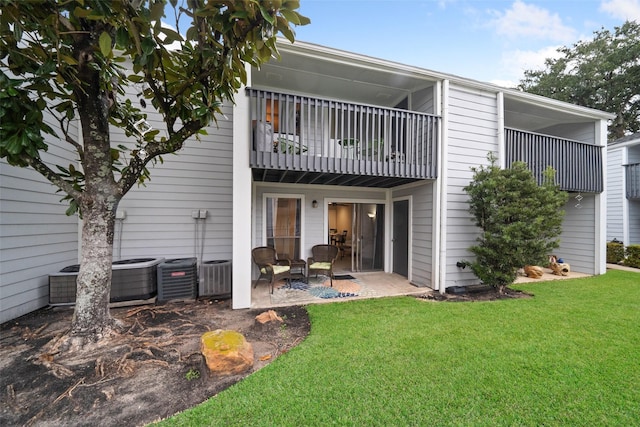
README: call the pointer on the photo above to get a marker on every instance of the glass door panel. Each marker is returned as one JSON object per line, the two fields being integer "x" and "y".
{"x": 367, "y": 237}
{"x": 283, "y": 226}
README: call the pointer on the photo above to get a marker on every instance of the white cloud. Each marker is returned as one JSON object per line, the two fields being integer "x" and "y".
{"x": 514, "y": 63}
{"x": 527, "y": 20}
{"x": 622, "y": 9}
{"x": 509, "y": 84}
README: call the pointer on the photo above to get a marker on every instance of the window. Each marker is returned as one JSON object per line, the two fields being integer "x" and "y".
{"x": 283, "y": 226}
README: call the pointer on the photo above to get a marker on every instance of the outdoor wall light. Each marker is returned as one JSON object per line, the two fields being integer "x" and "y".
{"x": 314, "y": 204}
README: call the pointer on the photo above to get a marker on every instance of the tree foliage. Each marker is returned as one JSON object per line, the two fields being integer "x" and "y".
{"x": 520, "y": 220}
{"x": 602, "y": 73}
{"x": 79, "y": 61}
{"x": 58, "y": 52}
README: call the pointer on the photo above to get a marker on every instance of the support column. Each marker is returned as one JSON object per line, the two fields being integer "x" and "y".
{"x": 242, "y": 196}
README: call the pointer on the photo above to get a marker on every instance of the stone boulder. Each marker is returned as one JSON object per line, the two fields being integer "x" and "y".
{"x": 226, "y": 352}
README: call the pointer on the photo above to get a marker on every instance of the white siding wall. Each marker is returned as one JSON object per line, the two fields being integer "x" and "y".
{"x": 422, "y": 232}
{"x": 158, "y": 219}
{"x": 578, "y": 234}
{"x": 615, "y": 194}
{"x": 36, "y": 237}
{"x": 473, "y": 128}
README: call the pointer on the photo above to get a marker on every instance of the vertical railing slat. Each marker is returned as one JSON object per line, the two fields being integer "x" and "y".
{"x": 578, "y": 165}
{"x": 311, "y": 134}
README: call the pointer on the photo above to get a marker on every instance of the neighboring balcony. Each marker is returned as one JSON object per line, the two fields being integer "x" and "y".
{"x": 299, "y": 139}
{"x": 632, "y": 175}
{"x": 578, "y": 165}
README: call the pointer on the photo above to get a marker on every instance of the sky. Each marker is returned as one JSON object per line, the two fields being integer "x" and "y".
{"x": 489, "y": 41}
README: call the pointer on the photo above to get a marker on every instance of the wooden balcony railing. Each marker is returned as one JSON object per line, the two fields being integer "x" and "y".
{"x": 298, "y": 135}
{"x": 578, "y": 165}
{"x": 632, "y": 175}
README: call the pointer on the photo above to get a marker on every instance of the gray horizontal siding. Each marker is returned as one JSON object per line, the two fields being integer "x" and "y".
{"x": 615, "y": 194}
{"x": 584, "y": 132}
{"x": 473, "y": 128}
{"x": 423, "y": 100}
{"x": 36, "y": 237}
{"x": 634, "y": 222}
{"x": 421, "y": 232}
{"x": 577, "y": 241}
{"x": 158, "y": 219}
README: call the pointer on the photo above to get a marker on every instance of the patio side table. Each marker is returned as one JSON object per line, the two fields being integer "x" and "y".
{"x": 299, "y": 269}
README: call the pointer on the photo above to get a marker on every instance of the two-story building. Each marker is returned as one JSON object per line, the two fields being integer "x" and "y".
{"x": 623, "y": 190}
{"x": 321, "y": 143}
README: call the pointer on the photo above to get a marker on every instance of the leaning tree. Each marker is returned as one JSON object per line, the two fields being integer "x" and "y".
{"x": 74, "y": 59}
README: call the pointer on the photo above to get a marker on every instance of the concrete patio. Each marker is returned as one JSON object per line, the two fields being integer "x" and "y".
{"x": 378, "y": 285}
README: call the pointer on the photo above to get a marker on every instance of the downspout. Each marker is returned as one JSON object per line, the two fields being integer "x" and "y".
{"x": 443, "y": 172}
{"x": 502, "y": 159}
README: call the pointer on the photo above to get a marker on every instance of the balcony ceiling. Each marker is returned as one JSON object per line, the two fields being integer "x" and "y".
{"x": 337, "y": 78}
{"x": 322, "y": 72}
{"x": 536, "y": 118}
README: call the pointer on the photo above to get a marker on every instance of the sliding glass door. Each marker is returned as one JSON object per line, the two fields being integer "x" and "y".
{"x": 367, "y": 238}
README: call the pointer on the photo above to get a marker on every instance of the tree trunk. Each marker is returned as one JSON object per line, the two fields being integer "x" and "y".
{"x": 98, "y": 203}
{"x": 91, "y": 318}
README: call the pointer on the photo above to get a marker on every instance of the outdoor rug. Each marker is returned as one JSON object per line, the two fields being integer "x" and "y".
{"x": 300, "y": 292}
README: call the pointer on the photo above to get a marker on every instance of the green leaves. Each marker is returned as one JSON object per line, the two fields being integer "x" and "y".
{"x": 105, "y": 44}
{"x": 64, "y": 54}
{"x": 520, "y": 221}
{"x": 21, "y": 124}
{"x": 602, "y": 73}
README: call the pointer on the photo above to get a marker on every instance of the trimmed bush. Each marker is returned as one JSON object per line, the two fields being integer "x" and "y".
{"x": 633, "y": 256}
{"x": 615, "y": 252}
{"x": 520, "y": 220}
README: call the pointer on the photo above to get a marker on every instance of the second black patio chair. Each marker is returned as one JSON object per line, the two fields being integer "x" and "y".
{"x": 322, "y": 259}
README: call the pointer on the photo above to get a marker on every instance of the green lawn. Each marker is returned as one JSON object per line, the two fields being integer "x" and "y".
{"x": 568, "y": 356}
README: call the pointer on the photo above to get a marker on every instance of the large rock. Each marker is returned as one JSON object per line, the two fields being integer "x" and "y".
{"x": 226, "y": 352}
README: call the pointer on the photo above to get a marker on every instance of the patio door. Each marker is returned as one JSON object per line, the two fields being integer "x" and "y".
{"x": 401, "y": 237}
{"x": 283, "y": 226}
{"x": 367, "y": 237}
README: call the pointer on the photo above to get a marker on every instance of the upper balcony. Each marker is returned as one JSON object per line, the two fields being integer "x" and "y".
{"x": 299, "y": 139}
{"x": 632, "y": 178}
{"x": 578, "y": 165}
